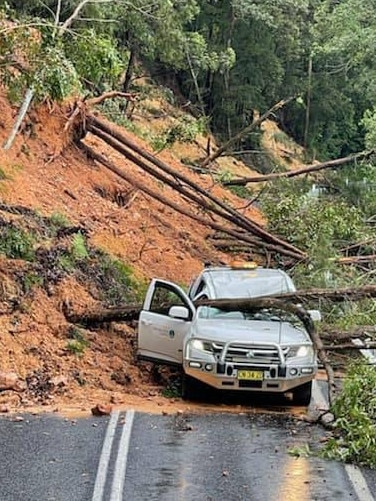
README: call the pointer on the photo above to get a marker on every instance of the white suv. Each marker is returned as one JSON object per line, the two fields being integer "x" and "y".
{"x": 264, "y": 350}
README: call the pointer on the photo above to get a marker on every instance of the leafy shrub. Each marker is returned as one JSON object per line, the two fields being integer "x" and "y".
{"x": 355, "y": 413}
{"x": 116, "y": 280}
{"x": 16, "y": 243}
{"x": 78, "y": 342}
{"x": 59, "y": 220}
{"x": 186, "y": 130}
{"x": 78, "y": 248}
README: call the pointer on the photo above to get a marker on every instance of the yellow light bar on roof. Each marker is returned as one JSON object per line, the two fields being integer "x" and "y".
{"x": 249, "y": 265}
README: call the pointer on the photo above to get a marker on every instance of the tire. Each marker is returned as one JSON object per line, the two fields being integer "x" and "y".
{"x": 302, "y": 394}
{"x": 192, "y": 389}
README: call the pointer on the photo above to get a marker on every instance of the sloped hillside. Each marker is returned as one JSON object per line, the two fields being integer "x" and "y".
{"x": 49, "y": 188}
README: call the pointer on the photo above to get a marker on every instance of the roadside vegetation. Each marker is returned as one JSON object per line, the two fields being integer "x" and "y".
{"x": 189, "y": 53}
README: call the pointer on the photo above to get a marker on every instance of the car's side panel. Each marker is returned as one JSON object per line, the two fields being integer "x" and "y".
{"x": 161, "y": 337}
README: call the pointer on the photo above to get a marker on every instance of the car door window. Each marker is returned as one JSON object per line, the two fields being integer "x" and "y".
{"x": 164, "y": 297}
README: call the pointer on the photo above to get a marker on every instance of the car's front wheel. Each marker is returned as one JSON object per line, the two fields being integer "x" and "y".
{"x": 191, "y": 388}
{"x": 302, "y": 394}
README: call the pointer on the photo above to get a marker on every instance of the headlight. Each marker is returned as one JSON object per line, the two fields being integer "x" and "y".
{"x": 200, "y": 350}
{"x": 303, "y": 351}
{"x": 300, "y": 351}
{"x": 197, "y": 344}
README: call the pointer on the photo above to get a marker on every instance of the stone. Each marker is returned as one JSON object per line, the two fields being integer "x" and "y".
{"x": 101, "y": 410}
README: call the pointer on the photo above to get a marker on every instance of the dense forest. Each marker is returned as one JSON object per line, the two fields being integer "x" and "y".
{"x": 228, "y": 59}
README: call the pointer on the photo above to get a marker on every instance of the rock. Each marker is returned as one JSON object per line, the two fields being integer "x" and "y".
{"x": 4, "y": 408}
{"x": 327, "y": 419}
{"x": 101, "y": 410}
{"x": 11, "y": 381}
{"x": 59, "y": 381}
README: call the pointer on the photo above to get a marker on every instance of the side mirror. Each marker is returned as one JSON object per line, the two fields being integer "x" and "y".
{"x": 315, "y": 315}
{"x": 180, "y": 312}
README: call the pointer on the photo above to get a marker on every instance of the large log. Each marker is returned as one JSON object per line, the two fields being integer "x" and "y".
{"x": 99, "y": 315}
{"x": 298, "y": 172}
{"x": 182, "y": 210}
{"x": 189, "y": 189}
{"x": 287, "y": 301}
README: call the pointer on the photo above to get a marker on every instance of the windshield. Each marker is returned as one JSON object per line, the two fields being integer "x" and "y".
{"x": 249, "y": 283}
{"x": 264, "y": 314}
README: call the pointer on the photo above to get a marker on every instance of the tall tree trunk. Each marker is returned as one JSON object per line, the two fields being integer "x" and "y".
{"x": 308, "y": 102}
{"x": 130, "y": 68}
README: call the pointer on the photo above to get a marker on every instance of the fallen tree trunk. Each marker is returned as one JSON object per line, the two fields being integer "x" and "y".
{"x": 357, "y": 259}
{"x": 98, "y": 315}
{"x": 350, "y": 346}
{"x": 298, "y": 172}
{"x": 334, "y": 295}
{"x": 157, "y": 196}
{"x": 132, "y": 311}
{"x": 120, "y": 142}
{"x": 364, "y": 331}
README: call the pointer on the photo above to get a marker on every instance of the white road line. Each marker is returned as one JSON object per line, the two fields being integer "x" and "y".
{"x": 100, "y": 480}
{"x": 121, "y": 460}
{"x": 353, "y": 472}
{"x": 359, "y": 483}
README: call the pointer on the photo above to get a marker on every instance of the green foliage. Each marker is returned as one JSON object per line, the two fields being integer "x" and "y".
{"x": 69, "y": 259}
{"x": 59, "y": 221}
{"x": 185, "y": 131}
{"x": 78, "y": 343}
{"x": 95, "y": 57}
{"x": 303, "y": 451}
{"x": 114, "y": 279}
{"x": 318, "y": 224}
{"x": 78, "y": 248}
{"x": 355, "y": 418}
{"x": 16, "y": 243}
{"x": 65, "y": 262}
{"x": 356, "y": 184}
{"x": 242, "y": 192}
{"x": 369, "y": 122}
{"x": 113, "y": 109}
{"x": 30, "y": 281}
{"x": 54, "y": 76}
{"x": 312, "y": 223}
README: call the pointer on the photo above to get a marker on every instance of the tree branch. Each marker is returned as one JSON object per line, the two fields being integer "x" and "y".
{"x": 245, "y": 131}
{"x": 298, "y": 172}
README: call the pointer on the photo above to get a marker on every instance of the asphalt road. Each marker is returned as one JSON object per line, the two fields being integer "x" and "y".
{"x": 133, "y": 456}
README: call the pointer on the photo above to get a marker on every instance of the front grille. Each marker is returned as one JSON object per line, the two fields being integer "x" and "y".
{"x": 257, "y": 354}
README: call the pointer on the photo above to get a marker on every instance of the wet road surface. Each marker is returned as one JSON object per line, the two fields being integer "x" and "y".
{"x": 133, "y": 456}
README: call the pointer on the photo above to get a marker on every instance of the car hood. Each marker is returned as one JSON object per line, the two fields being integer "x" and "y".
{"x": 249, "y": 330}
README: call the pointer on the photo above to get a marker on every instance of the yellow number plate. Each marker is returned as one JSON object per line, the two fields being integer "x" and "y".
{"x": 250, "y": 375}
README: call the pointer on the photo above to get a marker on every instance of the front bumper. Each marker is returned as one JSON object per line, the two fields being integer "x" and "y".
{"x": 275, "y": 377}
